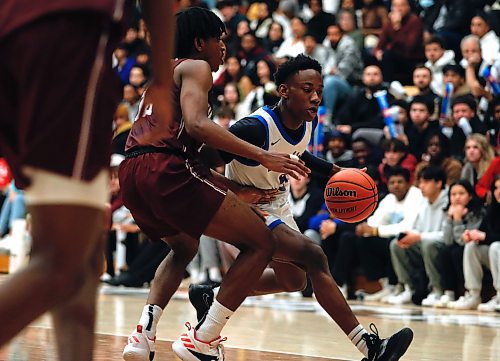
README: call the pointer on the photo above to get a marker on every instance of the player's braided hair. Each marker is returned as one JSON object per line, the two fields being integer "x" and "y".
{"x": 194, "y": 23}
{"x": 293, "y": 66}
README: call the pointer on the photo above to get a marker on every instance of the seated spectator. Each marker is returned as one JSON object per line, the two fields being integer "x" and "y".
{"x": 342, "y": 69}
{"x": 229, "y": 72}
{"x": 138, "y": 76}
{"x": 490, "y": 44}
{"x": 395, "y": 213}
{"x": 374, "y": 18}
{"x": 124, "y": 63}
{"x": 260, "y": 26}
{"x": 464, "y": 212}
{"x": 285, "y": 12}
{"x": 305, "y": 201}
{"x": 225, "y": 117}
{"x": 133, "y": 43}
{"x": 315, "y": 50}
{"x": 132, "y": 99}
{"x": 437, "y": 58}
{"x": 251, "y": 52}
{"x": 396, "y": 155}
{"x": 479, "y": 245}
{"x": 274, "y": 38}
{"x": 475, "y": 65}
{"x": 400, "y": 45}
{"x": 231, "y": 17}
{"x": 233, "y": 44}
{"x": 478, "y": 156}
{"x": 422, "y": 79}
{"x": 231, "y": 99}
{"x": 337, "y": 149}
{"x": 421, "y": 243}
{"x": 294, "y": 45}
{"x": 365, "y": 155}
{"x": 464, "y": 114}
{"x": 420, "y": 126}
{"x": 348, "y": 25}
{"x": 484, "y": 183}
{"x": 361, "y": 109}
{"x": 449, "y": 19}
{"x": 437, "y": 154}
{"x": 493, "y": 122}
{"x": 455, "y": 74}
{"x": 320, "y": 21}
{"x": 264, "y": 91}
{"x": 122, "y": 126}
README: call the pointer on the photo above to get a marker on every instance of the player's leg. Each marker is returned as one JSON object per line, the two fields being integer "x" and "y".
{"x": 251, "y": 236}
{"x": 294, "y": 247}
{"x": 66, "y": 235}
{"x": 168, "y": 276}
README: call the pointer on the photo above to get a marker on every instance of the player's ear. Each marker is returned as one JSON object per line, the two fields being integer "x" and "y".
{"x": 199, "y": 43}
{"x": 283, "y": 91}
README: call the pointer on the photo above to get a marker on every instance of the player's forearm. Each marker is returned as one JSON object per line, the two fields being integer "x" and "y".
{"x": 233, "y": 186}
{"x": 316, "y": 164}
{"x": 217, "y": 137}
{"x": 159, "y": 18}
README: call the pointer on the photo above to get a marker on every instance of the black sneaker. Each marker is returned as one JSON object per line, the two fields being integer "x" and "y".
{"x": 201, "y": 297}
{"x": 388, "y": 349}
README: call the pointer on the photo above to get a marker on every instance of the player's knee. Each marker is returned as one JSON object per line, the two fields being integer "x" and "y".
{"x": 314, "y": 256}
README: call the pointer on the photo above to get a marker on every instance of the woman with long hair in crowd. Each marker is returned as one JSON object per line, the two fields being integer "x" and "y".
{"x": 482, "y": 248}
{"x": 464, "y": 212}
{"x": 478, "y": 156}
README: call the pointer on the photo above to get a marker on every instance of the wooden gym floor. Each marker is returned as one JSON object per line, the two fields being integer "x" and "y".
{"x": 280, "y": 328}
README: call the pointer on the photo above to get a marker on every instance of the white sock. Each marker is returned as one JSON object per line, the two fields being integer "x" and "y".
{"x": 211, "y": 326}
{"x": 214, "y": 274}
{"x": 216, "y": 291}
{"x": 149, "y": 319}
{"x": 356, "y": 338}
{"x": 450, "y": 294}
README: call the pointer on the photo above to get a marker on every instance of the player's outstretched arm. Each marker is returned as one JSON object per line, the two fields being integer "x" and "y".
{"x": 320, "y": 165}
{"x": 196, "y": 81}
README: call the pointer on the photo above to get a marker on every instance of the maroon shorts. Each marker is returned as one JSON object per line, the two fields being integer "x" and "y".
{"x": 58, "y": 94}
{"x": 168, "y": 195}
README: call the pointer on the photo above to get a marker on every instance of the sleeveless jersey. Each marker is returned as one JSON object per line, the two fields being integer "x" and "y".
{"x": 250, "y": 173}
{"x": 177, "y": 139}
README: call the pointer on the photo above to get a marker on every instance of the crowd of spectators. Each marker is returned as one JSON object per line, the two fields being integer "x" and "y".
{"x": 434, "y": 152}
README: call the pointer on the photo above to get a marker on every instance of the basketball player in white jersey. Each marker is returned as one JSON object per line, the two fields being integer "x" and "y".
{"x": 288, "y": 127}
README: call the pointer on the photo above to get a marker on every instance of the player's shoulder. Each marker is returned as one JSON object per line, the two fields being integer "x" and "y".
{"x": 195, "y": 67}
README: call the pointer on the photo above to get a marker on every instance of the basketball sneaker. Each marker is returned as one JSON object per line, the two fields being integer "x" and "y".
{"x": 201, "y": 297}
{"x": 190, "y": 348}
{"x": 388, "y": 349}
{"x": 139, "y": 346}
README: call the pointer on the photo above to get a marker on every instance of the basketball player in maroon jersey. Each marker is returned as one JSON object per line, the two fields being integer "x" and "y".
{"x": 58, "y": 93}
{"x": 174, "y": 197}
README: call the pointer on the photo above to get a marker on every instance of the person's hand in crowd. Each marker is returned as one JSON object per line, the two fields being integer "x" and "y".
{"x": 12, "y": 196}
{"x": 378, "y": 54}
{"x": 364, "y": 230}
{"x": 474, "y": 59}
{"x": 466, "y": 236}
{"x": 327, "y": 228}
{"x": 402, "y": 137}
{"x": 427, "y": 36}
{"x": 457, "y": 212}
{"x": 333, "y": 71}
{"x": 396, "y": 19}
{"x": 254, "y": 195}
{"x": 477, "y": 235}
{"x": 344, "y": 128}
{"x": 409, "y": 239}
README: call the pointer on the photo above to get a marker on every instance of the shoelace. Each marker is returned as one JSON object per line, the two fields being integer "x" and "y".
{"x": 373, "y": 342}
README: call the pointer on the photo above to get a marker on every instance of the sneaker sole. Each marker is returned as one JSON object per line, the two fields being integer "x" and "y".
{"x": 182, "y": 352}
{"x": 406, "y": 338}
{"x": 135, "y": 354}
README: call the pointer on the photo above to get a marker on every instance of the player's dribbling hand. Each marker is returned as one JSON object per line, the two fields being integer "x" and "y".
{"x": 254, "y": 195}
{"x": 285, "y": 163}
{"x": 159, "y": 95}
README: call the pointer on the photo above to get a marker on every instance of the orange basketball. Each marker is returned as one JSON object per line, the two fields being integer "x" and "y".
{"x": 351, "y": 195}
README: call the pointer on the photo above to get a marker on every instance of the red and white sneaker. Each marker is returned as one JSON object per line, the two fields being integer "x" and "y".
{"x": 189, "y": 348}
{"x": 139, "y": 346}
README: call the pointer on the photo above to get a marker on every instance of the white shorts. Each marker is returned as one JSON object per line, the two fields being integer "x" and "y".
{"x": 279, "y": 212}
{"x": 51, "y": 188}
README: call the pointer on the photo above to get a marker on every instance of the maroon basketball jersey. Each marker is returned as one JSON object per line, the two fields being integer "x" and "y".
{"x": 177, "y": 139}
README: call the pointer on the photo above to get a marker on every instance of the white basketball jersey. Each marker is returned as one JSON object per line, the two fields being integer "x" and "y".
{"x": 250, "y": 173}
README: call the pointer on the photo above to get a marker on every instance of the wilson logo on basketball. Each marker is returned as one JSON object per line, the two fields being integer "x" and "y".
{"x": 337, "y": 192}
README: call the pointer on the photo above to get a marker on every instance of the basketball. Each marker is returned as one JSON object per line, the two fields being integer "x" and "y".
{"x": 351, "y": 195}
